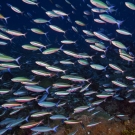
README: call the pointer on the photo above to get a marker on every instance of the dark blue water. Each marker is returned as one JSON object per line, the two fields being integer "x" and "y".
{"x": 23, "y": 23}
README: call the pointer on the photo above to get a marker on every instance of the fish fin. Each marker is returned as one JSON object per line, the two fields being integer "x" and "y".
{"x": 25, "y": 34}
{"x": 1, "y": 77}
{"x": 27, "y": 118}
{"x": 88, "y": 80}
{"x": 105, "y": 68}
{"x": 12, "y": 39}
{"x": 9, "y": 70}
{"x": 119, "y": 23}
{"x": 55, "y": 128}
{"x": 109, "y": 9}
{"x": 47, "y": 89}
{"x": 17, "y": 60}
{"x": 37, "y": 4}
{"x": 40, "y": 49}
{"x": 9, "y": 5}
{"x": 50, "y": 21}
{"x": 64, "y": 71}
{"x": 106, "y": 50}
{"x": 61, "y": 48}
{"x": 20, "y": 66}
{"x": 6, "y": 19}
{"x": 91, "y": 57}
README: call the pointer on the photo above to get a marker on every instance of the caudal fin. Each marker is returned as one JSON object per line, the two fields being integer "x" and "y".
{"x": 119, "y": 23}
{"x": 17, "y": 60}
{"x": 55, "y": 128}
{"x": 6, "y": 19}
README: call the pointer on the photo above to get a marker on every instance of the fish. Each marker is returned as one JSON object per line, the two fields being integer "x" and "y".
{"x": 44, "y": 129}
{"x": 2, "y": 131}
{"x": 11, "y": 104}
{"x": 102, "y": 36}
{"x": 4, "y": 91}
{"x": 3, "y": 43}
{"x": 20, "y": 79}
{"x": 37, "y": 31}
{"x": 98, "y": 10}
{"x": 15, "y": 9}
{"x": 61, "y": 13}
{"x": 130, "y": 5}
{"x": 58, "y": 117}
{"x": 30, "y": 2}
{"x": 30, "y": 47}
{"x": 74, "y": 78}
{"x": 118, "y": 83}
{"x": 72, "y": 122}
{"x": 17, "y": 122}
{"x": 66, "y": 62}
{"x": 51, "y": 50}
{"x": 30, "y": 124}
{"x": 55, "y": 69}
{"x": 25, "y": 99}
{"x": 100, "y": 4}
{"x": 104, "y": 95}
{"x": 56, "y": 28}
{"x": 5, "y": 37}
{"x": 60, "y": 60}
{"x": 68, "y": 42}
{"x": 123, "y": 32}
{"x": 51, "y": 14}
{"x": 114, "y": 66}
{"x": 62, "y": 93}
{"x": 98, "y": 67}
{"x": 93, "y": 124}
{"x": 110, "y": 19}
{"x": 87, "y": 32}
{"x": 38, "y": 44}
{"x": 40, "y": 114}
{"x": 119, "y": 44}
{"x": 99, "y": 21}
{"x": 36, "y": 88}
{"x": 47, "y": 104}
{"x": 80, "y": 23}
{"x": 83, "y": 62}
{"x": 41, "y": 20}
{"x": 5, "y": 18}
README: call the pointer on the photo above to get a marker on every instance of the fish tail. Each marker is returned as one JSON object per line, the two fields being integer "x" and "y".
{"x": 119, "y": 23}
{"x": 106, "y": 50}
{"x": 40, "y": 49}
{"x": 88, "y": 80}
{"x": 123, "y": 72}
{"x": 9, "y": 5}
{"x": 37, "y": 4}
{"x": 11, "y": 40}
{"x": 91, "y": 57}
{"x": 25, "y": 34}
{"x": 1, "y": 77}
{"x": 64, "y": 71}
{"x": 20, "y": 66}
{"x": 6, "y": 19}
{"x": 55, "y": 128}
{"x": 27, "y": 118}
{"x": 47, "y": 89}
{"x": 50, "y": 21}
{"x": 61, "y": 48}
{"x": 105, "y": 68}
{"x": 17, "y": 60}
{"x": 109, "y": 9}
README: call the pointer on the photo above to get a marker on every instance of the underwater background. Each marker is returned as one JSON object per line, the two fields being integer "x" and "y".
{"x": 64, "y": 73}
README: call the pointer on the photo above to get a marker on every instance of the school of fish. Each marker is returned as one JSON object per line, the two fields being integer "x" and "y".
{"x": 74, "y": 69}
